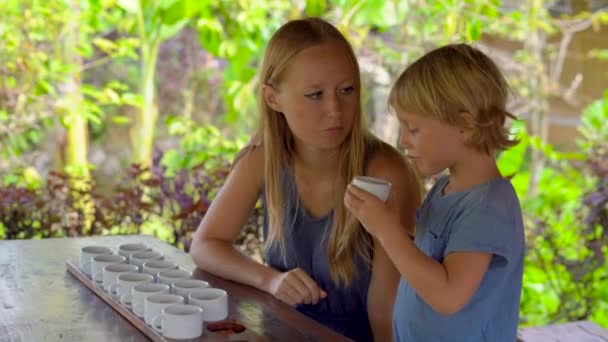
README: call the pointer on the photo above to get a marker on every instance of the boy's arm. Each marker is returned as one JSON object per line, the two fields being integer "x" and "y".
{"x": 446, "y": 287}
{"x": 404, "y": 198}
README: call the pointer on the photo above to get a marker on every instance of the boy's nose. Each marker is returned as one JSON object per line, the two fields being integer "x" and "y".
{"x": 404, "y": 141}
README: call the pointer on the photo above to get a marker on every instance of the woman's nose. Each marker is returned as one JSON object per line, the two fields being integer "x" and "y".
{"x": 333, "y": 106}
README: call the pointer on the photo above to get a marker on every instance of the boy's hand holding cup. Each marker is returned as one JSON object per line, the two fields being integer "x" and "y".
{"x": 376, "y": 186}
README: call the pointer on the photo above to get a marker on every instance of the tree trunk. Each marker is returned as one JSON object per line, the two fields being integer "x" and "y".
{"x": 76, "y": 132}
{"x": 144, "y": 130}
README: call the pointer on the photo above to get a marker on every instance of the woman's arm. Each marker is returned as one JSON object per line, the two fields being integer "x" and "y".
{"x": 404, "y": 198}
{"x": 212, "y": 245}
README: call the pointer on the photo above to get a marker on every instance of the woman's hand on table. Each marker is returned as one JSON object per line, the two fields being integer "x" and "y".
{"x": 295, "y": 287}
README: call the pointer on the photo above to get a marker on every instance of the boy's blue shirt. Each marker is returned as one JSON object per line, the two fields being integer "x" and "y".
{"x": 485, "y": 218}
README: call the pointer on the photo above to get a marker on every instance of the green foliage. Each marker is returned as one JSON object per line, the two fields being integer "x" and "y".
{"x": 566, "y": 225}
{"x": 26, "y": 177}
{"x": 155, "y": 21}
{"x": 38, "y": 65}
{"x": 238, "y": 32}
{"x": 199, "y": 145}
{"x": 28, "y": 73}
{"x": 146, "y": 200}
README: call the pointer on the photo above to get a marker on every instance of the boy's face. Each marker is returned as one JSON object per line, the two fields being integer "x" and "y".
{"x": 431, "y": 145}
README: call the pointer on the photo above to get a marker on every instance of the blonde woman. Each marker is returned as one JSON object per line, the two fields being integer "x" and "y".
{"x": 310, "y": 144}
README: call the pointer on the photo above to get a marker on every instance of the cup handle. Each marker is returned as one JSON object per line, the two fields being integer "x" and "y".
{"x": 113, "y": 289}
{"x": 126, "y": 300}
{"x": 157, "y": 323}
{"x": 98, "y": 278}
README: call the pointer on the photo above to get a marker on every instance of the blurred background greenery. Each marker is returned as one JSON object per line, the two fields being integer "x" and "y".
{"x": 122, "y": 116}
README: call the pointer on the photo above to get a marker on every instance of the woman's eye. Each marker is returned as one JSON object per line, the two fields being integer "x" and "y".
{"x": 314, "y": 96}
{"x": 347, "y": 90}
{"x": 412, "y": 130}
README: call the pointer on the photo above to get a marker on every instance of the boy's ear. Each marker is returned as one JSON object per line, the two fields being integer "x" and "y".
{"x": 271, "y": 97}
{"x": 467, "y": 125}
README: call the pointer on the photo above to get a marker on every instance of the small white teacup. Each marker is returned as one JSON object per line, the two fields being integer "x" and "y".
{"x": 139, "y": 258}
{"x": 183, "y": 287}
{"x": 154, "y": 266}
{"x": 129, "y": 249}
{"x": 376, "y": 186}
{"x": 86, "y": 255}
{"x": 155, "y": 303}
{"x": 179, "y": 321}
{"x": 139, "y": 293}
{"x": 213, "y": 301}
{"x": 169, "y": 276}
{"x": 111, "y": 273}
{"x": 101, "y": 261}
{"x": 125, "y": 283}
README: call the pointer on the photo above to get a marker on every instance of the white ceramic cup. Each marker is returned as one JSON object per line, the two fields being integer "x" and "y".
{"x": 179, "y": 321}
{"x": 140, "y": 292}
{"x": 125, "y": 283}
{"x": 213, "y": 301}
{"x": 87, "y": 253}
{"x": 155, "y": 303}
{"x": 100, "y": 261}
{"x": 183, "y": 287}
{"x": 111, "y": 273}
{"x": 154, "y": 266}
{"x": 129, "y": 249}
{"x": 376, "y": 186}
{"x": 140, "y": 258}
{"x": 169, "y": 276}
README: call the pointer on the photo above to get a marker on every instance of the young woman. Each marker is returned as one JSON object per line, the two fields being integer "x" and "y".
{"x": 310, "y": 145}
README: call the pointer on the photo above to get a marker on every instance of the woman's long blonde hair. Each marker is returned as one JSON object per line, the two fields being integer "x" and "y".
{"x": 347, "y": 238}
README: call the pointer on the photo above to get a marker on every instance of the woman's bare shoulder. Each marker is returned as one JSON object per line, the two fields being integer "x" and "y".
{"x": 387, "y": 158}
{"x": 249, "y": 163}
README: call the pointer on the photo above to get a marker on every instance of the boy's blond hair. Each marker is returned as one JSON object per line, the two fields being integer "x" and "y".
{"x": 456, "y": 79}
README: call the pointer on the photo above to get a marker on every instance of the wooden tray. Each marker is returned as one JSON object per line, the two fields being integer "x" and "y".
{"x": 73, "y": 268}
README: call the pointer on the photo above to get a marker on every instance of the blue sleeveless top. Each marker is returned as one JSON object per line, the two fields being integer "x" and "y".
{"x": 345, "y": 308}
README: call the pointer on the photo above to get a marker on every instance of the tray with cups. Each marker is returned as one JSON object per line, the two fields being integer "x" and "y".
{"x": 158, "y": 297}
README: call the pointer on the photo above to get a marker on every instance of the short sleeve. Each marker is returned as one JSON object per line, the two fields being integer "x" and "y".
{"x": 483, "y": 230}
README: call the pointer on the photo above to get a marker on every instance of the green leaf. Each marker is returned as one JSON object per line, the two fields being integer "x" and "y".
{"x": 210, "y": 34}
{"x": 172, "y": 159}
{"x": 132, "y": 6}
{"x": 474, "y": 30}
{"x": 105, "y": 45}
{"x": 120, "y": 120}
{"x": 131, "y": 99}
{"x": 598, "y": 54}
{"x": 179, "y": 11}
{"x": 11, "y": 82}
{"x": 168, "y": 31}
{"x": 315, "y": 8}
{"x": 93, "y": 118}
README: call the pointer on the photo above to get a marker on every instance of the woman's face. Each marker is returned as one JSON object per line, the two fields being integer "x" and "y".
{"x": 318, "y": 96}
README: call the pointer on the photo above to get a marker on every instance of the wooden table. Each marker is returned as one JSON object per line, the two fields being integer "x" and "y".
{"x": 41, "y": 301}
